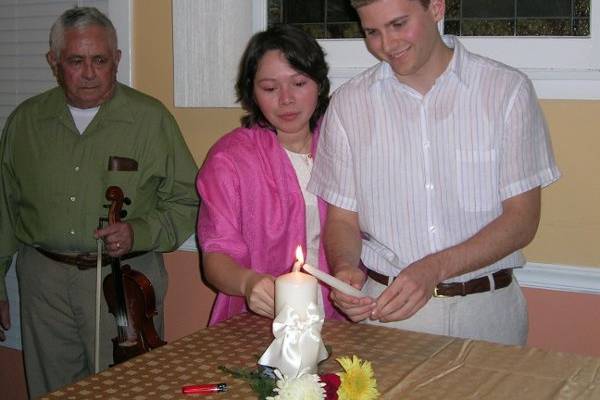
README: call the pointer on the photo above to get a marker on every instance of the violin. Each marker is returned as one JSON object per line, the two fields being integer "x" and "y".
{"x": 130, "y": 298}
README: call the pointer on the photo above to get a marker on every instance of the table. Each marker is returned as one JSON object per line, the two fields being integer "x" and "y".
{"x": 407, "y": 365}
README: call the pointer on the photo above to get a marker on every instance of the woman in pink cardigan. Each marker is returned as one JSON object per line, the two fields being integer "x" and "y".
{"x": 255, "y": 209}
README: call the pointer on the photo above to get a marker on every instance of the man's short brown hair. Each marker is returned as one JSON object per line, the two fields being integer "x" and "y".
{"x": 360, "y": 3}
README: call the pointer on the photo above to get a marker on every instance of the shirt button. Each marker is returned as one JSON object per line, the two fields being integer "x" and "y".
{"x": 77, "y": 168}
{"x": 426, "y": 144}
{"x": 72, "y": 231}
{"x": 429, "y": 186}
{"x": 432, "y": 229}
{"x": 72, "y": 198}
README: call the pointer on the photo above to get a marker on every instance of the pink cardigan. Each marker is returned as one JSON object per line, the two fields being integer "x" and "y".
{"x": 252, "y": 209}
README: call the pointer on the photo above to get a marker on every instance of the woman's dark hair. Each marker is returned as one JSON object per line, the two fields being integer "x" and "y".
{"x": 301, "y": 51}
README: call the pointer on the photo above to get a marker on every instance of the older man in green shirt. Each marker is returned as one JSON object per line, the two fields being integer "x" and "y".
{"x": 59, "y": 152}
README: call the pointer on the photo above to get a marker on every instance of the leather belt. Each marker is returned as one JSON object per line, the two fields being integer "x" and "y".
{"x": 84, "y": 260}
{"x": 502, "y": 279}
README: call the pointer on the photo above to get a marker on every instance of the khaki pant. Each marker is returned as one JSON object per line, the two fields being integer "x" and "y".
{"x": 58, "y": 317}
{"x": 496, "y": 316}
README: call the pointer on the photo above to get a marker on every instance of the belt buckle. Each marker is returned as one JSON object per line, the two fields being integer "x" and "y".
{"x": 436, "y": 294}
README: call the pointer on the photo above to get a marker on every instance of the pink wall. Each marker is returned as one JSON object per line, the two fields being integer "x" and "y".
{"x": 564, "y": 321}
{"x": 12, "y": 377}
{"x": 189, "y": 300}
{"x": 559, "y": 321}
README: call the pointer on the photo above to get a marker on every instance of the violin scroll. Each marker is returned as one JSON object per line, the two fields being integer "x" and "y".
{"x": 115, "y": 212}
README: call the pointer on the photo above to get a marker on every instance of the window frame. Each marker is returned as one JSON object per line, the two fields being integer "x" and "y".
{"x": 120, "y": 13}
{"x": 560, "y": 67}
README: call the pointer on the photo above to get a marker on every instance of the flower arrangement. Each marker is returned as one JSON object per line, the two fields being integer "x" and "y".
{"x": 355, "y": 382}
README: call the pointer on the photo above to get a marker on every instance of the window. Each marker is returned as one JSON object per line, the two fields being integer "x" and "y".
{"x": 556, "y": 42}
{"x": 323, "y": 19}
{"x": 560, "y": 67}
{"x": 336, "y": 19}
{"x": 517, "y": 17}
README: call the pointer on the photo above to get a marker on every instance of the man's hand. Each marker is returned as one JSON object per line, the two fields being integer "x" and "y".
{"x": 413, "y": 287}
{"x": 260, "y": 295}
{"x": 117, "y": 237}
{"x": 4, "y": 319}
{"x": 409, "y": 292}
{"x": 357, "y": 309}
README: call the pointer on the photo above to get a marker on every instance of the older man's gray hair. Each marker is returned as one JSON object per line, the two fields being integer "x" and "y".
{"x": 79, "y": 18}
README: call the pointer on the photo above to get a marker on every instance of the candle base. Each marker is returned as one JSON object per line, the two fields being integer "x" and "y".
{"x": 299, "y": 353}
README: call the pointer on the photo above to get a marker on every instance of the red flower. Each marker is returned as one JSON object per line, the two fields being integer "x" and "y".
{"x": 332, "y": 383}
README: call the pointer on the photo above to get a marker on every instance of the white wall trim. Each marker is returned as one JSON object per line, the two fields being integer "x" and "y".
{"x": 565, "y": 84}
{"x": 189, "y": 244}
{"x": 121, "y": 14}
{"x": 563, "y": 278}
{"x": 259, "y": 15}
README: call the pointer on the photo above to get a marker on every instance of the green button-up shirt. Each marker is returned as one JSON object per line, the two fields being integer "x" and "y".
{"x": 54, "y": 179}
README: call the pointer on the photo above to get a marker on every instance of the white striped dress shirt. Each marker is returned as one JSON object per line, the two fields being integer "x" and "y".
{"x": 427, "y": 172}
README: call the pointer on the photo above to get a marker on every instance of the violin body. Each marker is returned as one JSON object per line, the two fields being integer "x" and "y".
{"x": 139, "y": 336}
{"x": 130, "y": 298}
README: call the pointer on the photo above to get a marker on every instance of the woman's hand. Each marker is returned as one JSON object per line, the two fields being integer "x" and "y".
{"x": 260, "y": 294}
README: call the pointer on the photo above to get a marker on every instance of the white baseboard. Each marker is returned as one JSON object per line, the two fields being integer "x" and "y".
{"x": 189, "y": 244}
{"x": 564, "y": 278}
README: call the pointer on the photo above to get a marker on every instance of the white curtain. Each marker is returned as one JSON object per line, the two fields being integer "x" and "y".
{"x": 209, "y": 37}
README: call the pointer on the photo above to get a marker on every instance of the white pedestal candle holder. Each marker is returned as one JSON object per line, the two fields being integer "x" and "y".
{"x": 297, "y": 347}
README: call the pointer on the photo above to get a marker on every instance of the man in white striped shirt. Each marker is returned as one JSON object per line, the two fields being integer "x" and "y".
{"x": 432, "y": 163}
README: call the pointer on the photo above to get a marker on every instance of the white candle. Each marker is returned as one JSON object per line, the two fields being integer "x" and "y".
{"x": 297, "y": 290}
{"x": 333, "y": 281}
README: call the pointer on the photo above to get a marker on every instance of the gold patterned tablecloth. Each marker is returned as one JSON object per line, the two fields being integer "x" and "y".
{"x": 407, "y": 365}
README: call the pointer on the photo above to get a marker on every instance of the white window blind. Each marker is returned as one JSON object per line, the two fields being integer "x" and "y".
{"x": 24, "y": 28}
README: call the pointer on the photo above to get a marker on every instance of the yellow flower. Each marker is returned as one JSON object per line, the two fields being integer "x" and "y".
{"x": 357, "y": 380}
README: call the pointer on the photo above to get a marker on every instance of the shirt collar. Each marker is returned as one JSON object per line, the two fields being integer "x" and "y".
{"x": 115, "y": 109}
{"x": 458, "y": 63}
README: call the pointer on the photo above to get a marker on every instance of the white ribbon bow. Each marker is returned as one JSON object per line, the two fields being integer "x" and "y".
{"x": 297, "y": 347}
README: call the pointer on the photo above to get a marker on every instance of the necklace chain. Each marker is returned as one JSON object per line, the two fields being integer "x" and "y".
{"x": 306, "y": 147}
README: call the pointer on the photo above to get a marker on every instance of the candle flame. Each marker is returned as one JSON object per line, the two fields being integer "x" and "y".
{"x": 299, "y": 259}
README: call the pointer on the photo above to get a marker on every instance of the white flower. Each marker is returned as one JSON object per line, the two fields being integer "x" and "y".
{"x": 304, "y": 387}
